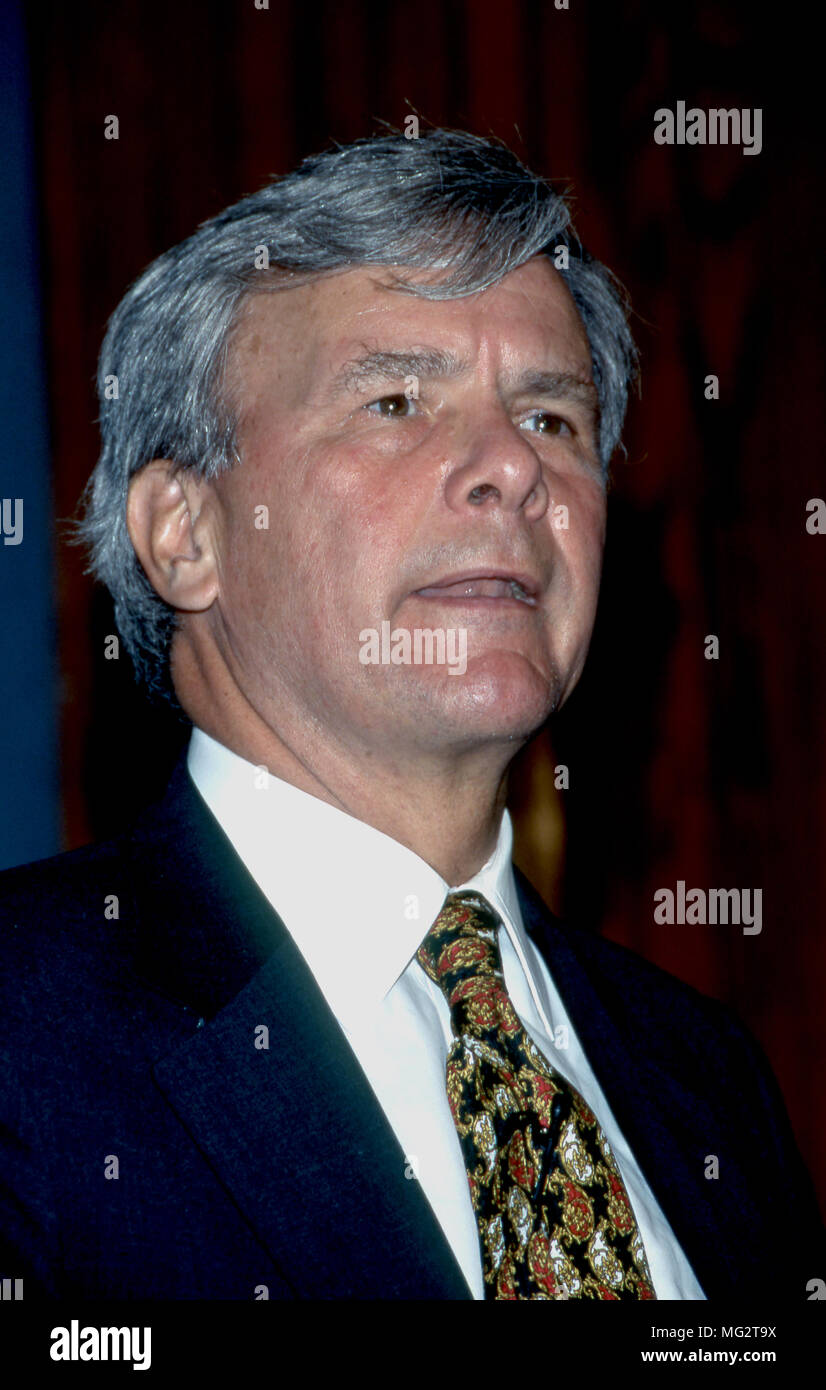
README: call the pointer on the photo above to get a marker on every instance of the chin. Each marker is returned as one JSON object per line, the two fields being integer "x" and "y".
{"x": 501, "y": 695}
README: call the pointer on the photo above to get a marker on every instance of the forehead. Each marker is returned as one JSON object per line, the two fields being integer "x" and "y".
{"x": 308, "y": 332}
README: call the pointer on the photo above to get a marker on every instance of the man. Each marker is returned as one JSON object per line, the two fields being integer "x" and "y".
{"x": 303, "y": 1032}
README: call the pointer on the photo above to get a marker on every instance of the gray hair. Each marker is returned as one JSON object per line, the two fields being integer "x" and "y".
{"x": 447, "y": 201}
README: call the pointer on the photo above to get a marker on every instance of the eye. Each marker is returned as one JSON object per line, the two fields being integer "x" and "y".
{"x": 391, "y": 407}
{"x": 543, "y": 422}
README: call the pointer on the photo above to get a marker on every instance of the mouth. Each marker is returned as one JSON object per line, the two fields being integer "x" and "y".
{"x": 488, "y": 586}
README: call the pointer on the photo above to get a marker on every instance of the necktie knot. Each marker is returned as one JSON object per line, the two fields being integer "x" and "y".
{"x": 460, "y": 954}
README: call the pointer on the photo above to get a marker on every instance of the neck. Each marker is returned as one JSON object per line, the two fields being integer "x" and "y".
{"x": 447, "y": 810}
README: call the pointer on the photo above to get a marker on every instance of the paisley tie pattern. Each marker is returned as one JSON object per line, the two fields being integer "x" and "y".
{"x": 553, "y": 1214}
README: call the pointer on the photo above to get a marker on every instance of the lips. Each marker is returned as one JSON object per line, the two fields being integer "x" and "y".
{"x": 492, "y": 586}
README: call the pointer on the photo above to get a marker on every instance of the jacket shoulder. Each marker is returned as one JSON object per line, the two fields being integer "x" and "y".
{"x": 60, "y": 920}
{"x": 599, "y": 953}
{"x": 645, "y": 1002}
{"x": 61, "y": 879}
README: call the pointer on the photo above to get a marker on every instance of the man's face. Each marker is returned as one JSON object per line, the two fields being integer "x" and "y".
{"x": 419, "y": 510}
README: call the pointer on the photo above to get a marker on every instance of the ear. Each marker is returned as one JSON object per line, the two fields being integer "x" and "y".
{"x": 170, "y": 516}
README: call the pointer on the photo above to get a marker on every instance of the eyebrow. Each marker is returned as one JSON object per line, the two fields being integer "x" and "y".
{"x": 379, "y": 366}
{"x": 373, "y": 368}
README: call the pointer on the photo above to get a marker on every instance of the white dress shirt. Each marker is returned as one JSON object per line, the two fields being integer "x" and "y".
{"x": 357, "y": 905}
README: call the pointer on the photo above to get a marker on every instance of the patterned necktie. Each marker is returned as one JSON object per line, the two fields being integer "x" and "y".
{"x": 552, "y": 1210}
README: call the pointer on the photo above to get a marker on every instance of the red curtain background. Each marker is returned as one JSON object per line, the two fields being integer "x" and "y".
{"x": 713, "y": 772}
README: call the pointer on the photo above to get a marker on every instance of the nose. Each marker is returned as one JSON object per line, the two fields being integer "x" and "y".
{"x": 494, "y": 465}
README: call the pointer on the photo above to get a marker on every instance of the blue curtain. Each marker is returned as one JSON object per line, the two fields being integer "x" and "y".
{"x": 29, "y": 790}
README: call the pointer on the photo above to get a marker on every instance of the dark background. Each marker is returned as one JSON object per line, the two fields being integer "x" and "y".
{"x": 680, "y": 768}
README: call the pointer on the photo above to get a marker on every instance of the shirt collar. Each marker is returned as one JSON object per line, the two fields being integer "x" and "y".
{"x": 356, "y": 902}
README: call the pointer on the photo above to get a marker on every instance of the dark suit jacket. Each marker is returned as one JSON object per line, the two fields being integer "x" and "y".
{"x": 131, "y": 1041}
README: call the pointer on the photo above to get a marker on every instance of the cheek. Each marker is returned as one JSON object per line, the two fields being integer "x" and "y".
{"x": 580, "y": 549}
{"x": 328, "y": 557}
{"x": 586, "y": 538}
{"x": 591, "y": 561}
{"x": 362, "y": 508}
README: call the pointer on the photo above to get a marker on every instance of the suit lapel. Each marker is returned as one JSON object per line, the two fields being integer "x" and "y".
{"x": 293, "y": 1129}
